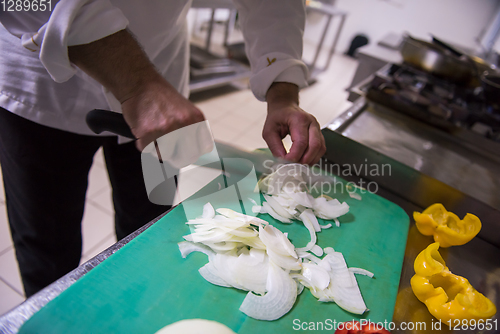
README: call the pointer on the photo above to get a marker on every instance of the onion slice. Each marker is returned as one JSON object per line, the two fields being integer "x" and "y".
{"x": 274, "y": 214}
{"x": 277, "y": 207}
{"x": 317, "y": 276}
{"x": 361, "y": 271}
{"x": 186, "y": 248}
{"x": 355, "y": 195}
{"x": 343, "y": 288}
{"x": 306, "y": 218}
{"x": 317, "y": 250}
{"x": 210, "y": 274}
{"x": 208, "y": 211}
{"x": 279, "y": 299}
{"x": 277, "y": 241}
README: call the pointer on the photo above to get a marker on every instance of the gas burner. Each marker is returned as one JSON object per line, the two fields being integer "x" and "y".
{"x": 435, "y": 101}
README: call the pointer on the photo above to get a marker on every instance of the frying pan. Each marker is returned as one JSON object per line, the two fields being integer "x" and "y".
{"x": 442, "y": 62}
{"x": 480, "y": 64}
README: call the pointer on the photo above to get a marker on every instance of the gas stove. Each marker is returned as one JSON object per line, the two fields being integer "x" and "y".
{"x": 451, "y": 107}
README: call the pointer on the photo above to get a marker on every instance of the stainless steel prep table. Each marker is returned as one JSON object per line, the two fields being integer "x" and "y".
{"x": 427, "y": 166}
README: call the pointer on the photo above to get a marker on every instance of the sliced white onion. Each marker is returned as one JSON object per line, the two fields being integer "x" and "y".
{"x": 285, "y": 175}
{"x": 251, "y": 270}
{"x": 304, "y": 281}
{"x": 284, "y": 200}
{"x": 361, "y": 271}
{"x": 241, "y": 217}
{"x": 277, "y": 241}
{"x": 324, "y": 227}
{"x": 271, "y": 265}
{"x": 253, "y": 201}
{"x": 284, "y": 261}
{"x": 273, "y": 213}
{"x": 302, "y": 198}
{"x": 343, "y": 288}
{"x": 187, "y": 248}
{"x": 306, "y": 219}
{"x": 257, "y": 209}
{"x": 279, "y": 299}
{"x": 337, "y": 222}
{"x": 330, "y": 209}
{"x": 208, "y": 211}
{"x": 315, "y": 222}
{"x": 317, "y": 276}
{"x": 355, "y": 195}
{"x": 210, "y": 274}
{"x": 309, "y": 256}
{"x": 328, "y": 250}
{"x": 224, "y": 246}
{"x": 317, "y": 250}
{"x": 225, "y": 263}
{"x": 277, "y": 207}
{"x": 300, "y": 288}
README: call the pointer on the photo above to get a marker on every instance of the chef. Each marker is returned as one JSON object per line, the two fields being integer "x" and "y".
{"x": 64, "y": 58}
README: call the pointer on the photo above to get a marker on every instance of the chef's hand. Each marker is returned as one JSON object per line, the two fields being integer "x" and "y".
{"x": 150, "y": 105}
{"x": 157, "y": 109}
{"x": 284, "y": 116}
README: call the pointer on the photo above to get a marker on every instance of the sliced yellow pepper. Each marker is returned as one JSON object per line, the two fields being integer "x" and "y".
{"x": 446, "y": 227}
{"x": 446, "y": 295}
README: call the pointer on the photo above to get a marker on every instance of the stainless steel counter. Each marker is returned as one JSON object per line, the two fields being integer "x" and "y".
{"x": 426, "y": 166}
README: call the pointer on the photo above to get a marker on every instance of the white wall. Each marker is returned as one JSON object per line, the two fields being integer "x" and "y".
{"x": 456, "y": 21}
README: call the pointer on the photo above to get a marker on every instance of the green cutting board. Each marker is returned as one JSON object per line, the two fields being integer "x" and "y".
{"x": 147, "y": 285}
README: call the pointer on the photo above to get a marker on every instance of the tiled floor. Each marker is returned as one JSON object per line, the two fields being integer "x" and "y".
{"x": 235, "y": 117}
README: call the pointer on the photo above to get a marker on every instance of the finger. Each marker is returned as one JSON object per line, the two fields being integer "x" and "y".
{"x": 316, "y": 146}
{"x": 274, "y": 141}
{"x": 299, "y": 132}
{"x": 320, "y": 155}
{"x": 317, "y": 158}
{"x": 321, "y": 151}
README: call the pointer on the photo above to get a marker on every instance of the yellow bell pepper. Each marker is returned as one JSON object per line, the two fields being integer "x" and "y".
{"x": 446, "y": 227}
{"x": 446, "y": 295}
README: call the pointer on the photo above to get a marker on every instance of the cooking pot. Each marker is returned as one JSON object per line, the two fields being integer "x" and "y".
{"x": 440, "y": 61}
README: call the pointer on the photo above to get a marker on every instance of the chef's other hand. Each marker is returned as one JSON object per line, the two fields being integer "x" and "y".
{"x": 151, "y": 106}
{"x": 284, "y": 116}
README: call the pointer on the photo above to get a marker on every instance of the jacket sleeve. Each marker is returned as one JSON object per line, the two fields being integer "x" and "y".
{"x": 273, "y": 31}
{"x": 71, "y": 22}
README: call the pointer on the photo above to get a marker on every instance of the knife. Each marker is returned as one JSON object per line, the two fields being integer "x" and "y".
{"x": 100, "y": 120}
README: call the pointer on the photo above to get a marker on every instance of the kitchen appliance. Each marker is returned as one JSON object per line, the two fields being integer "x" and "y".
{"x": 459, "y": 110}
{"x": 445, "y": 130}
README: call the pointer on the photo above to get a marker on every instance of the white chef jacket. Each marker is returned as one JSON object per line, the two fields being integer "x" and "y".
{"x": 38, "y": 82}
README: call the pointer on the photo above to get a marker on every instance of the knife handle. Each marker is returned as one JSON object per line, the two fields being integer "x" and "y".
{"x": 100, "y": 120}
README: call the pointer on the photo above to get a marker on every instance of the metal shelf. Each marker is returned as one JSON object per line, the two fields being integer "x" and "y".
{"x": 210, "y": 71}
